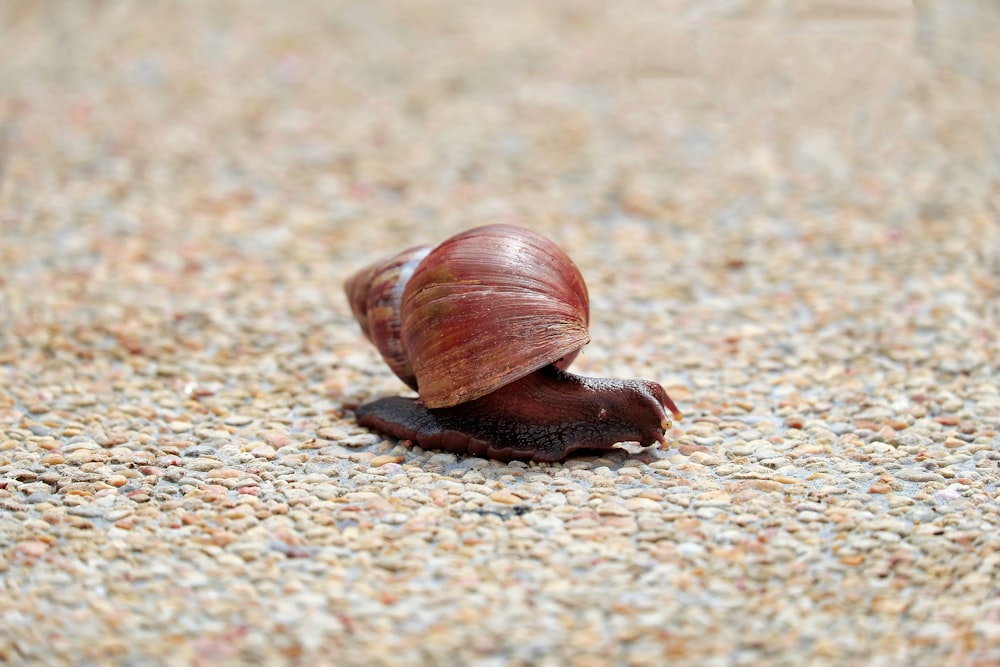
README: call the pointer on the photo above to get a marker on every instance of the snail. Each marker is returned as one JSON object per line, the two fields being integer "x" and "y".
{"x": 483, "y": 327}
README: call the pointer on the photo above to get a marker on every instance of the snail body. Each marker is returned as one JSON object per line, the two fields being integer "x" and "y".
{"x": 483, "y": 327}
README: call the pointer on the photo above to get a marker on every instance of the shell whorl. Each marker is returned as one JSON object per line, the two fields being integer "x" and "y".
{"x": 477, "y": 312}
{"x": 376, "y": 294}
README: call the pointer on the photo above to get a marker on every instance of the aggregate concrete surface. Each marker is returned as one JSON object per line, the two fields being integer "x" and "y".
{"x": 786, "y": 213}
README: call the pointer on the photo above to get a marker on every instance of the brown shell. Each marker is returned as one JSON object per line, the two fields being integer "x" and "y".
{"x": 375, "y": 294}
{"x": 488, "y": 307}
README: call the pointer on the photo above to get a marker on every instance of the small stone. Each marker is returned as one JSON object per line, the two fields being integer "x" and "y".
{"x": 361, "y": 440}
{"x": 237, "y": 420}
{"x": 197, "y": 451}
{"x": 612, "y": 509}
{"x": 213, "y": 493}
{"x": 505, "y": 497}
{"x": 385, "y": 458}
{"x": 32, "y": 548}
{"x": 88, "y": 445}
{"x": 209, "y": 433}
{"x": 277, "y": 440}
{"x": 223, "y": 473}
{"x": 713, "y": 499}
{"x": 12, "y": 504}
{"x": 331, "y": 433}
{"x": 89, "y": 511}
{"x": 47, "y": 443}
{"x": 118, "y": 514}
{"x": 112, "y": 438}
{"x": 81, "y": 456}
{"x": 767, "y": 485}
{"x": 640, "y": 503}
{"x": 865, "y": 425}
{"x": 53, "y": 458}
{"x": 784, "y": 479}
{"x": 202, "y": 464}
{"x": 705, "y": 459}
{"x": 166, "y": 370}
{"x": 690, "y": 549}
{"x": 264, "y": 452}
{"x": 888, "y": 435}
{"x": 553, "y": 499}
{"x": 918, "y": 475}
{"x": 180, "y": 426}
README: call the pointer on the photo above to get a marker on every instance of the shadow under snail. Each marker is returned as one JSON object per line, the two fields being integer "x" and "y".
{"x": 483, "y": 327}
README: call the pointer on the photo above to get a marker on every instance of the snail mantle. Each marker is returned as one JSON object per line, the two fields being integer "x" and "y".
{"x": 483, "y": 327}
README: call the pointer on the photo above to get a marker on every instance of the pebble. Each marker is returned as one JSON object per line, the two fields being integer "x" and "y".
{"x": 330, "y": 433}
{"x": 202, "y": 464}
{"x": 766, "y": 485}
{"x": 384, "y": 459}
{"x": 264, "y": 452}
{"x": 223, "y": 473}
{"x": 31, "y": 548}
{"x": 360, "y": 440}
{"x": 73, "y": 446}
{"x": 89, "y": 511}
{"x": 917, "y": 475}
{"x": 237, "y": 420}
{"x": 505, "y": 497}
{"x": 198, "y": 451}
{"x": 180, "y": 426}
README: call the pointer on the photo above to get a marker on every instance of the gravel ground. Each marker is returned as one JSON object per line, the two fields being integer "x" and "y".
{"x": 785, "y": 214}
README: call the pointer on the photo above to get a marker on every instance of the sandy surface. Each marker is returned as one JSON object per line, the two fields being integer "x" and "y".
{"x": 786, "y": 216}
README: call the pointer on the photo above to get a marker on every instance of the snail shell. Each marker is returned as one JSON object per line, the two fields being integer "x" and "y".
{"x": 475, "y": 313}
{"x": 483, "y": 327}
{"x": 376, "y": 297}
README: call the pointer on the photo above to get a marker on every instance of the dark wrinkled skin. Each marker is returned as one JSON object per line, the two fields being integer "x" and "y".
{"x": 545, "y": 416}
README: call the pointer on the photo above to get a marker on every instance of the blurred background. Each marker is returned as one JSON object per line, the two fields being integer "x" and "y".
{"x": 328, "y": 130}
{"x": 652, "y": 107}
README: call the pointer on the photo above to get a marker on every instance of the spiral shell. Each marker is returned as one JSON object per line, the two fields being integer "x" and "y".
{"x": 479, "y": 311}
{"x": 376, "y": 294}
